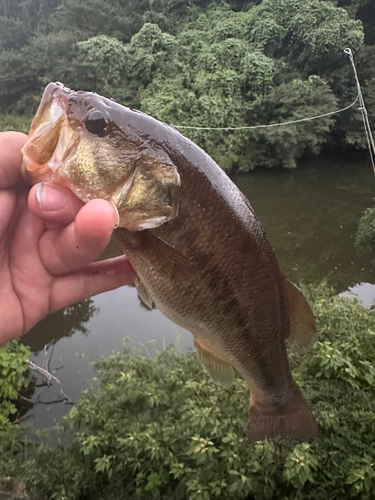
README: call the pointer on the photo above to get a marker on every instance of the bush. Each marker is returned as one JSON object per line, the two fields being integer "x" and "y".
{"x": 152, "y": 428}
{"x": 13, "y": 368}
{"x": 365, "y": 237}
{"x": 13, "y": 380}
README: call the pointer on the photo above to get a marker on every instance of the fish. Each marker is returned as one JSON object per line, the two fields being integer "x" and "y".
{"x": 199, "y": 252}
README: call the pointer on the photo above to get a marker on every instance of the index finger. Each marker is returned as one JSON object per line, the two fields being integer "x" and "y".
{"x": 11, "y": 144}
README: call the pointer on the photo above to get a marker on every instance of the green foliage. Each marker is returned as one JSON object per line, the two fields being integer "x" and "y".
{"x": 229, "y": 82}
{"x": 90, "y": 18}
{"x": 149, "y": 52}
{"x": 27, "y": 71}
{"x": 299, "y": 465}
{"x": 13, "y": 366}
{"x": 365, "y": 237}
{"x": 289, "y": 102}
{"x": 362, "y": 476}
{"x": 99, "y": 65}
{"x": 307, "y": 32}
{"x": 202, "y": 63}
{"x": 160, "y": 428}
{"x": 346, "y": 350}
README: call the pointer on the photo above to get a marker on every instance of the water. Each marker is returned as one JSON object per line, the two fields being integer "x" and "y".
{"x": 310, "y": 216}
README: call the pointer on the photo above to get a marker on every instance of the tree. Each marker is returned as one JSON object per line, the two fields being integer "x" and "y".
{"x": 27, "y": 71}
{"x": 98, "y": 65}
{"x": 312, "y": 34}
{"x": 115, "y": 18}
{"x": 203, "y": 65}
{"x": 282, "y": 146}
{"x": 226, "y": 81}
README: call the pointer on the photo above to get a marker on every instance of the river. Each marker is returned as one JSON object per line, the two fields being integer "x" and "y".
{"x": 310, "y": 215}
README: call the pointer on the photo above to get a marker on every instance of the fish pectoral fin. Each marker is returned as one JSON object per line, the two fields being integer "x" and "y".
{"x": 220, "y": 370}
{"x": 302, "y": 322}
{"x": 165, "y": 258}
{"x": 152, "y": 197}
{"x": 143, "y": 293}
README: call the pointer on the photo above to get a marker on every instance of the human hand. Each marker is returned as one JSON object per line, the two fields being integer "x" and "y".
{"x": 49, "y": 241}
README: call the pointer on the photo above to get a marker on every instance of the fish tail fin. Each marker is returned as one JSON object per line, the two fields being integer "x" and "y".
{"x": 302, "y": 322}
{"x": 292, "y": 420}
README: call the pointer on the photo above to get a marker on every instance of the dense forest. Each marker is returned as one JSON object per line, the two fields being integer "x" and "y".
{"x": 202, "y": 63}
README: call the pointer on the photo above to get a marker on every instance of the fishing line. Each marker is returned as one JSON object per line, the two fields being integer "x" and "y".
{"x": 366, "y": 123}
{"x": 359, "y": 98}
{"x": 270, "y": 125}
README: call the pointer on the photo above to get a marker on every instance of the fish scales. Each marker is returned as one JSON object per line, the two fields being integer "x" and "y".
{"x": 199, "y": 251}
{"x": 197, "y": 297}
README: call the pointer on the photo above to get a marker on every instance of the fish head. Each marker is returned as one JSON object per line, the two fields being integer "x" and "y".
{"x": 101, "y": 149}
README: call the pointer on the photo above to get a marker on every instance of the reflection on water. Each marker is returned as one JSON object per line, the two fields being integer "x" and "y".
{"x": 310, "y": 216}
{"x": 61, "y": 324}
{"x": 118, "y": 314}
{"x": 365, "y": 293}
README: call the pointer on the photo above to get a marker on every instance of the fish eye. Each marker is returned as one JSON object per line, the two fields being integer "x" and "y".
{"x": 96, "y": 122}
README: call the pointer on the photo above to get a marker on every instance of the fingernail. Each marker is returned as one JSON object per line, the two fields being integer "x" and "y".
{"x": 117, "y": 215}
{"x": 49, "y": 198}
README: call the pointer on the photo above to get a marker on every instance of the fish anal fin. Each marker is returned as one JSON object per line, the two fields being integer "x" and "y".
{"x": 220, "y": 370}
{"x": 289, "y": 420}
{"x": 143, "y": 293}
{"x": 302, "y": 322}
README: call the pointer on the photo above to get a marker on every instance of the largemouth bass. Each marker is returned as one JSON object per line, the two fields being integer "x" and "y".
{"x": 199, "y": 252}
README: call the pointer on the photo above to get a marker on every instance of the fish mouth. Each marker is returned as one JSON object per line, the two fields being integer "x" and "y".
{"x": 49, "y": 135}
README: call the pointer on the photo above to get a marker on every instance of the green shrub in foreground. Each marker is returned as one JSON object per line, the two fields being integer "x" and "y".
{"x": 13, "y": 380}
{"x": 13, "y": 365}
{"x": 160, "y": 428}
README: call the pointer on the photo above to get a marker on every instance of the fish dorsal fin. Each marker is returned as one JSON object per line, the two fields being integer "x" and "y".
{"x": 150, "y": 197}
{"x": 143, "y": 293}
{"x": 302, "y": 322}
{"x": 221, "y": 371}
